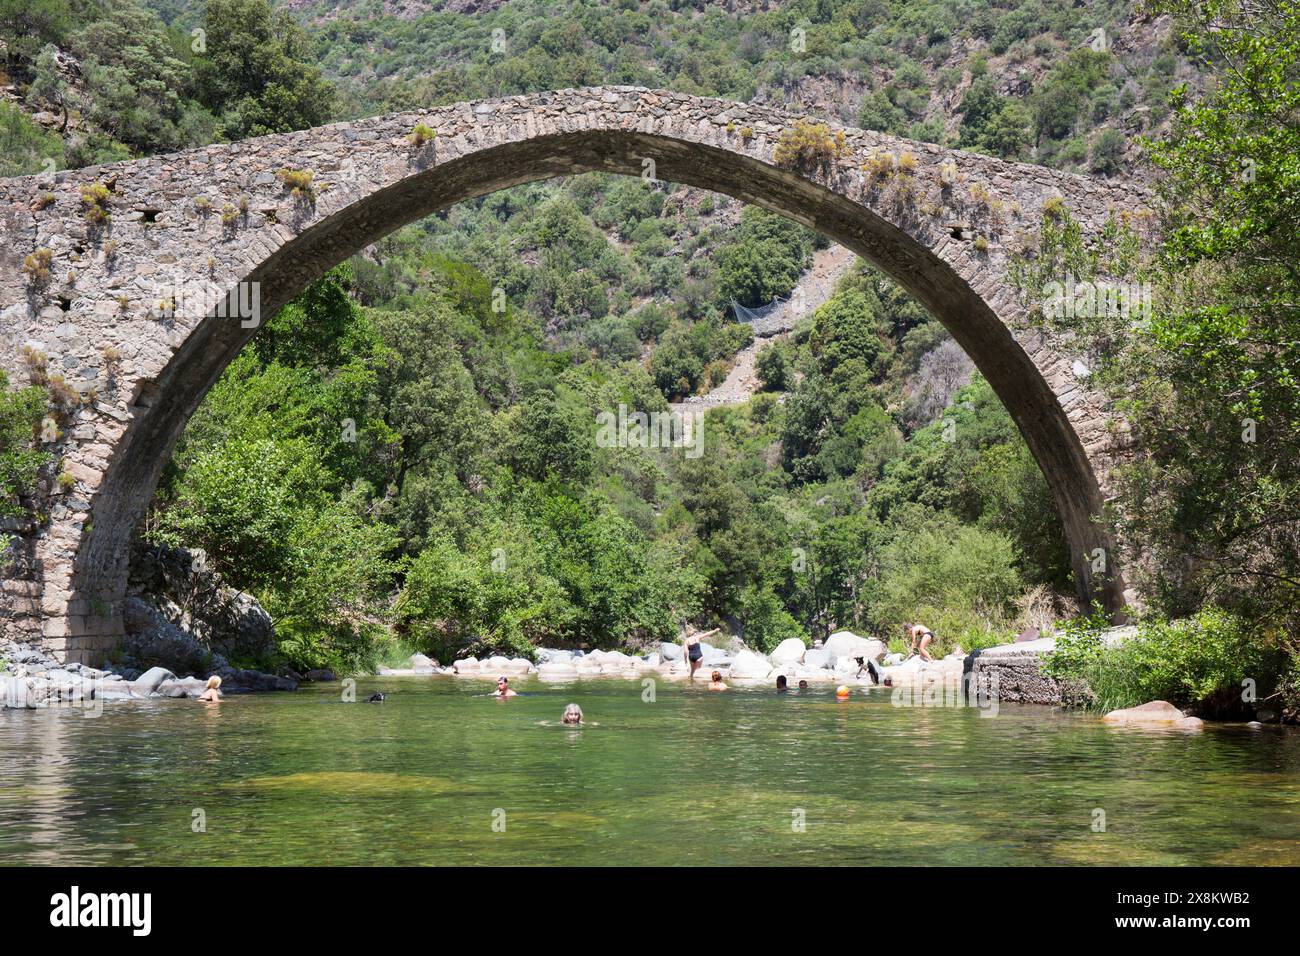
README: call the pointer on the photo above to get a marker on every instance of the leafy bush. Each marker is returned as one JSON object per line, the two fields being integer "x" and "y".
{"x": 960, "y": 581}
{"x": 1204, "y": 662}
{"x": 772, "y": 366}
{"x": 21, "y": 411}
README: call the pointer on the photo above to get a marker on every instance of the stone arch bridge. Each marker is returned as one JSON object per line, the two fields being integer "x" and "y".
{"x": 128, "y": 288}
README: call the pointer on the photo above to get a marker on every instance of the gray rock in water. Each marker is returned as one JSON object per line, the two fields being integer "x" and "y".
{"x": 247, "y": 681}
{"x": 174, "y": 688}
{"x": 321, "y": 676}
{"x": 670, "y": 652}
{"x": 149, "y": 681}
{"x": 1155, "y": 713}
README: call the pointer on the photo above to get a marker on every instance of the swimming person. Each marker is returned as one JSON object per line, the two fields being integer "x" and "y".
{"x": 920, "y": 636}
{"x": 715, "y": 681}
{"x": 503, "y": 688}
{"x": 572, "y": 715}
{"x": 803, "y": 685}
{"x": 212, "y": 693}
{"x": 694, "y": 652}
{"x": 781, "y": 682}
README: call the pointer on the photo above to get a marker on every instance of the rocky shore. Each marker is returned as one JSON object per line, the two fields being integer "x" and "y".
{"x": 31, "y": 679}
{"x": 836, "y": 661}
{"x": 183, "y": 625}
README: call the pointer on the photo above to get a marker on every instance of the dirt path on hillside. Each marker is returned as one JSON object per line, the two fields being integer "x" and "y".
{"x": 813, "y": 288}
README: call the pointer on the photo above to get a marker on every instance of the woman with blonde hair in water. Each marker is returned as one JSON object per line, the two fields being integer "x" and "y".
{"x": 572, "y": 715}
{"x": 212, "y": 693}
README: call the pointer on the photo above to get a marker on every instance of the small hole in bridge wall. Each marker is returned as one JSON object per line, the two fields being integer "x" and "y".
{"x": 145, "y": 395}
{"x": 65, "y": 304}
{"x": 955, "y": 232}
{"x": 150, "y": 215}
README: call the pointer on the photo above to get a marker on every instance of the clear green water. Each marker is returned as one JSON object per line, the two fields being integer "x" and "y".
{"x": 695, "y": 777}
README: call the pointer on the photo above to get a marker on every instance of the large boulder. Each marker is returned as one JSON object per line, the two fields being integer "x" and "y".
{"x": 670, "y": 652}
{"x": 846, "y": 666}
{"x": 152, "y": 638}
{"x": 183, "y": 687}
{"x": 1153, "y": 714}
{"x": 224, "y": 621}
{"x": 848, "y": 644}
{"x": 546, "y": 655}
{"x": 562, "y": 670}
{"x": 747, "y": 665}
{"x": 714, "y": 656}
{"x": 817, "y": 658}
{"x": 422, "y": 664}
{"x": 237, "y": 681}
{"x": 789, "y": 651}
{"x": 149, "y": 681}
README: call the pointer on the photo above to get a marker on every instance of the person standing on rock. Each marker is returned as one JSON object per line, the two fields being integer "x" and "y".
{"x": 921, "y": 637}
{"x": 694, "y": 652}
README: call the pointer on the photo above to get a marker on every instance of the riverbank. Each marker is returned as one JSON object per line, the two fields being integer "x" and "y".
{"x": 31, "y": 679}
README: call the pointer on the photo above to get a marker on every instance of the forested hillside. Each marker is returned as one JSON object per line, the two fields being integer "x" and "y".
{"x": 397, "y": 458}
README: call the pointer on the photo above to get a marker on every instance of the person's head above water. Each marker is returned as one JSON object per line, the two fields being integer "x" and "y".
{"x": 716, "y": 677}
{"x": 780, "y": 682}
{"x": 214, "y": 682}
{"x": 572, "y": 714}
{"x": 803, "y": 685}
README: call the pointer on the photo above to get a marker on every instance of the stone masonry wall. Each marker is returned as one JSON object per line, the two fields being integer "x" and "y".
{"x": 124, "y": 310}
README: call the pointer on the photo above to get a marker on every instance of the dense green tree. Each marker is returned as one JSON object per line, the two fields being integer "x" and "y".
{"x": 256, "y": 73}
{"x": 773, "y": 368}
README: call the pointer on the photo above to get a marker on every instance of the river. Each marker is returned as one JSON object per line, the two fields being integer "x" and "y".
{"x": 438, "y": 774}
